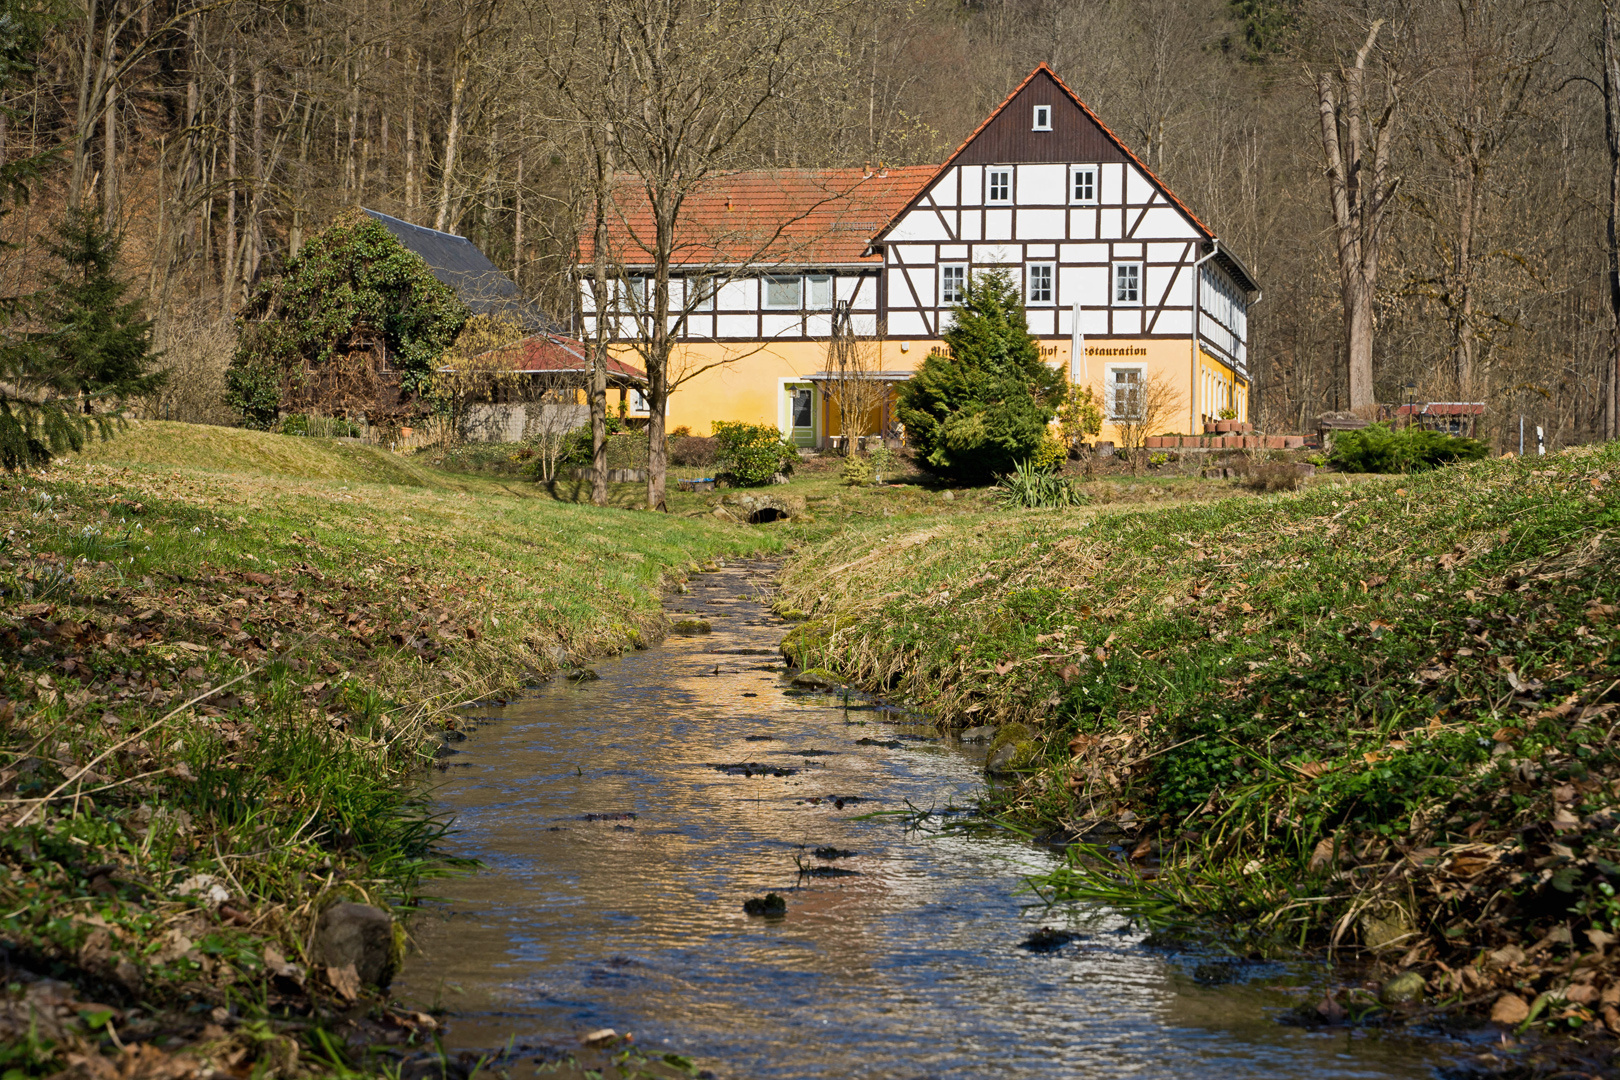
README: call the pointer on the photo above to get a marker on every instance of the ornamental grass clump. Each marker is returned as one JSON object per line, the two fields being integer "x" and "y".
{"x": 1034, "y": 488}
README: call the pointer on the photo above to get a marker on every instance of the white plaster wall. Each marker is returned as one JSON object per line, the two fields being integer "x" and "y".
{"x": 956, "y": 252}
{"x": 1042, "y": 251}
{"x": 1166, "y": 221}
{"x": 780, "y": 325}
{"x": 998, "y": 224}
{"x": 915, "y": 254}
{"x": 1083, "y": 224}
{"x": 1174, "y": 322}
{"x": 737, "y": 326}
{"x": 1127, "y": 321}
{"x": 1110, "y": 183}
{"x": 740, "y": 295}
{"x": 907, "y": 324}
{"x": 1137, "y": 188}
{"x": 1041, "y": 322}
{"x": 1042, "y": 185}
{"x": 921, "y": 224}
{"x": 1040, "y": 224}
{"x": 944, "y": 192}
{"x": 972, "y": 177}
{"x": 969, "y": 228}
{"x": 1167, "y": 252}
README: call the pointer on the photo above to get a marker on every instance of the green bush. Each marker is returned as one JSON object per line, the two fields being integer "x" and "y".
{"x": 750, "y": 454}
{"x": 349, "y": 276}
{"x": 983, "y": 408}
{"x": 1382, "y": 449}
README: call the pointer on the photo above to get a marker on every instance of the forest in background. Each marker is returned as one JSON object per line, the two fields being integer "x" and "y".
{"x": 219, "y": 134}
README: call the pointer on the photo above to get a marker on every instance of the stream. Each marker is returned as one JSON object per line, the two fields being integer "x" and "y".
{"x": 622, "y": 822}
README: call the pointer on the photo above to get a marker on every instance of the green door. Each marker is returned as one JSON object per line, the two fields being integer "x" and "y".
{"x": 802, "y": 410}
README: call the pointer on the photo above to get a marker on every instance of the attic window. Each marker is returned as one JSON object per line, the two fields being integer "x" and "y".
{"x": 1043, "y": 118}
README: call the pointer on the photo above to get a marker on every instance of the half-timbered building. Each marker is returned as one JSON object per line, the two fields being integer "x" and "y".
{"x": 1122, "y": 282}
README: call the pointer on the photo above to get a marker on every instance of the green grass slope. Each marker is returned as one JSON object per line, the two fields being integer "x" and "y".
{"x": 1380, "y": 716}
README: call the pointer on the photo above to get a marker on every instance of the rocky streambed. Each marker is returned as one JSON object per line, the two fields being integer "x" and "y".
{"x": 623, "y": 821}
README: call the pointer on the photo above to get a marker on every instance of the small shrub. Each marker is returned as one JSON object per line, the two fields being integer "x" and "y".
{"x": 885, "y": 462}
{"x": 1158, "y": 459}
{"x": 1050, "y": 453}
{"x": 691, "y": 450}
{"x": 1036, "y": 489}
{"x": 1381, "y": 449}
{"x": 750, "y": 454}
{"x": 856, "y": 471}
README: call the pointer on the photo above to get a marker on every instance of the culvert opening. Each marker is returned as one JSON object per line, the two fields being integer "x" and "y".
{"x": 765, "y": 515}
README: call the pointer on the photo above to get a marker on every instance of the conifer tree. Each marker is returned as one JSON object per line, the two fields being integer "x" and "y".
{"x": 984, "y": 407}
{"x": 101, "y": 343}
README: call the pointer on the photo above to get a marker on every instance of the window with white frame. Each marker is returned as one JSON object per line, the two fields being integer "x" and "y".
{"x": 818, "y": 291}
{"x": 1040, "y": 283}
{"x": 1043, "y": 118}
{"x": 700, "y": 293}
{"x": 952, "y": 283}
{"x": 1083, "y": 185}
{"x": 998, "y": 185}
{"x": 1125, "y": 394}
{"x": 1128, "y": 284}
{"x": 783, "y": 293}
{"x": 631, "y": 294}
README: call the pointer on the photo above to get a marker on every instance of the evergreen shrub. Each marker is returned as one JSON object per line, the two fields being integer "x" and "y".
{"x": 982, "y": 408}
{"x": 1382, "y": 449}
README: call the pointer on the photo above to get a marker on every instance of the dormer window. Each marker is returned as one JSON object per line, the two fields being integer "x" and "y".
{"x": 1043, "y": 118}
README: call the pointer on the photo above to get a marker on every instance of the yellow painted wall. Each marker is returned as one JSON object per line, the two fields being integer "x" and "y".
{"x": 747, "y": 384}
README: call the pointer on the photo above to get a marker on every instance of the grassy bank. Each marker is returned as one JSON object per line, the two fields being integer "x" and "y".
{"x": 1377, "y": 717}
{"x": 220, "y": 654}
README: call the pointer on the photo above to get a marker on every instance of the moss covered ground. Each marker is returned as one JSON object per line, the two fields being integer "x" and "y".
{"x": 223, "y": 654}
{"x": 1373, "y": 717}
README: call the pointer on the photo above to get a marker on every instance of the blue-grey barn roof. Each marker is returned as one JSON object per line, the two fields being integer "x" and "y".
{"x": 458, "y": 263}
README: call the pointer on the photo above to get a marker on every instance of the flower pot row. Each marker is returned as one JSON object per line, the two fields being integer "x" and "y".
{"x": 1225, "y": 442}
{"x": 1227, "y": 427}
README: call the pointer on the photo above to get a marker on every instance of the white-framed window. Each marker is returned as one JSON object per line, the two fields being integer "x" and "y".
{"x": 631, "y": 294}
{"x": 818, "y": 291}
{"x": 998, "y": 185}
{"x": 1128, "y": 284}
{"x": 700, "y": 293}
{"x": 1083, "y": 185}
{"x": 1040, "y": 280}
{"x": 783, "y": 293}
{"x": 952, "y": 283}
{"x": 1043, "y": 118}
{"x": 1124, "y": 393}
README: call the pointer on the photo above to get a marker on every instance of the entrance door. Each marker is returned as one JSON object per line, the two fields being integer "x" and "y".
{"x": 802, "y": 415}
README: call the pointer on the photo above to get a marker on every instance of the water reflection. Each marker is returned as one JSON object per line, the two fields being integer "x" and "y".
{"x": 620, "y": 840}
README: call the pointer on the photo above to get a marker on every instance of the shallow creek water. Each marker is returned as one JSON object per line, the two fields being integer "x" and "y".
{"x": 910, "y": 967}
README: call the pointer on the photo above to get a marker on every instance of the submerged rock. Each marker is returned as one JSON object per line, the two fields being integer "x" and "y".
{"x": 768, "y": 905}
{"x": 1404, "y": 989}
{"x": 830, "y": 853}
{"x": 1047, "y": 940}
{"x": 583, "y": 674}
{"x": 816, "y": 679}
{"x": 357, "y": 934}
{"x": 981, "y": 733}
{"x": 753, "y": 768}
{"x": 887, "y": 744}
{"x": 691, "y": 626}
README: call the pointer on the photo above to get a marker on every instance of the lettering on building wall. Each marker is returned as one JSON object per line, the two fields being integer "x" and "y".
{"x": 1123, "y": 350}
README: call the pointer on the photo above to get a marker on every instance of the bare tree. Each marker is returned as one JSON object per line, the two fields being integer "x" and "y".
{"x": 855, "y": 379}
{"x": 1611, "y": 138}
{"x": 1140, "y": 407}
{"x": 1358, "y": 139}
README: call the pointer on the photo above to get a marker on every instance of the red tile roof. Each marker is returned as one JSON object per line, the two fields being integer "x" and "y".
{"x": 553, "y": 353}
{"x": 802, "y": 217}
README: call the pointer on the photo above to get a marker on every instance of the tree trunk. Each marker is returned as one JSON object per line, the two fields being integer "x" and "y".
{"x": 1611, "y": 130}
{"x": 599, "y": 297}
{"x": 109, "y": 161}
{"x": 452, "y": 135}
{"x": 228, "y": 274}
{"x": 1359, "y": 192}
{"x": 250, "y": 268}
{"x": 86, "y": 62}
{"x": 410, "y": 140}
